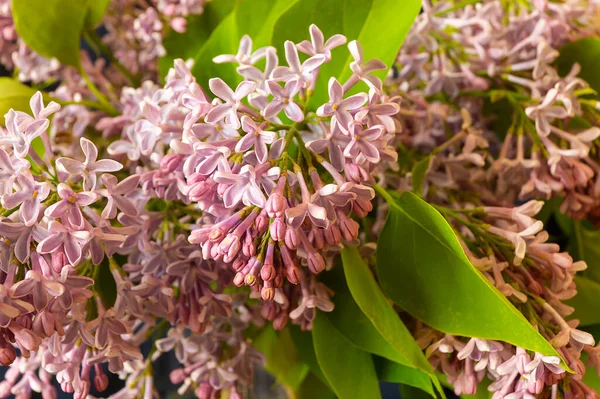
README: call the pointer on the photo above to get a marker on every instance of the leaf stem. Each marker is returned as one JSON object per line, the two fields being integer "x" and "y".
{"x": 103, "y": 102}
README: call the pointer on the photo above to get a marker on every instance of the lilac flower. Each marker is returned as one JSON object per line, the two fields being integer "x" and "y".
{"x": 340, "y": 107}
{"x": 362, "y": 141}
{"x": 242, "y": 186}
{"x": 141, "y": 140}
{"x": 115, "y": 193}
{"x": 317, "y": 45}
{"x": 546, "y": 111}
{"x": 252, "y": 73}
{"x": 30, "y": 196}
{"x": 90, "y": 166}
{"x": 60, "y": 236}
{"x": 255, "y": 137}
{"x": 362, "y": 70}
{"x": 284, "y": 100}
{"x": 376, "y": 113}
{"x": 334, "y": 142}
{"x": 296, "y": 70}
{"x": 295, "y": 216}
{"x": 228, "y": 111}
{"x": 244, "y": 56}
{"x": 10, "y": 168}
{"x": 38, "y": 287}
{"x": 20, "y": 235}
{"x": 70, "y": 204}
{"x": 21, "y": 130}
{"x": 197, "y": 101}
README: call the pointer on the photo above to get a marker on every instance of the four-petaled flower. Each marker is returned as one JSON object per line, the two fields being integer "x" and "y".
{"x": 59, "y": 236}
{"x": 90, "y": 166}
{"x": 283, "y": 99}
{"x": 340, "y": 107}
{"x": 255, "y": 137}
{"x": 228, "y": 111}
{"x": 296, "y": 70}
{"x": 70, "y": 204}
{"x": 30, "y": 196}
{"x": 318, "y": 45}
{"x": 243, "y": 186}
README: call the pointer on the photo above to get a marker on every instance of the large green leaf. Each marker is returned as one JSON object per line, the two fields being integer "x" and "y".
{"x": 52, "y": 28}
{"x": 199, "y": 28}
{"x": 306, "y": 351}
{"x": 379, "y": 25}
{"x": 14, "y": 95}
{"x": 282, "y": 357}
{"x": 312, "y": 387}
{"x": 349, "y": 370}
{"x": 376, "y": 307}
{"x": 96, "y": 11}
{"x": 586, "y": 304}
{"x": 393, "y": 372}
{"x": 422, "y": 267}
{"x": 586, "y": 52}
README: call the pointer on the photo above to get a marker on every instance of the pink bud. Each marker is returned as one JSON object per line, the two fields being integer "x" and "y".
{"x": 262, "y": 222}
{"x": 59, "y": 260}
{"x": 332, "y": 235}
{"x": 361, "y": 208}
{"x": 269, "y": 311}
{"x": 177, "y": 376}
{"x": 171, "y": 162}
{"x": 101, "y": 381}
{"x": 293, "y": 275}
{"x": 318, "y": 240}
{"x": 280, "y": 321}
{"x": 179, "y": 24}
{"x": 291, "y": 238}
{"x": 316, "y": 264}
{"x": 7, "y": 355}
{"x": 267, "y": 293}
{"x": 276, "y": 205}
{"x": 349, "y": 229}
{"x": 267, "y": 273}
{"x": 277, "y": 229}
{"x": 203, "y": 391}
{"x": 238, "y": 280}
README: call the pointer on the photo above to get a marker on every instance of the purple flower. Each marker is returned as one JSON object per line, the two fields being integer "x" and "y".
{"x": 546, "y": 111}
{"x": 38, "y": 287}
{"x": 250, "y": 72}
{"x": 340, "y": 107}
{"x": 362, "y": 70}
{"x": 115, "y": 193}
{"x": 284, "y": 100}
{"x": 90, "y": 166}
{"x": 295, "y": 216}
{"x": 141, "y": 140}
{"x": 255, "y": 137}
{"x": 21, "y": 130}
{"x": 243, "y": 186}
{"x": 362, "y": 141}
{"x": 228, "y": 111}
{"x": 376, "y": 113}
{"x": 296, "y": 70}
{"x": 60, "y": 236}
{"x": 318, "y": 45}
{"x": 244, "y": 55}
{"x": 334, "y": 143}
{"x": 30, "y": 196}
{"x": 69, "y": 205}
{"x": 21, "y": 235}
{"x": 36, "y": 103}
{"x": 10, "y": 168}
{"x": 197, "y": 102}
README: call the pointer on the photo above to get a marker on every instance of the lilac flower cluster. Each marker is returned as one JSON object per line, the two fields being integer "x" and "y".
{"x": 506, "y": 54}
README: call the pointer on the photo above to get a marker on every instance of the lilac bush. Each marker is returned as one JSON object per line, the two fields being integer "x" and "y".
{"x": 307, "y": 191}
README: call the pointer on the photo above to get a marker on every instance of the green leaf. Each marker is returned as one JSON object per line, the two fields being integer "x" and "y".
{"x": 349, "y": 370}
{"x": 199, "y": 28}
{"x": 586, "y": 304}
{"x": 312, "y": 387}
{"x": 585, "y": 244}
{"x": 422, "y": 267}
{"x": 586, "y": 52}
{"x": 104, "y": 282}
{"x": 282, "y": 358}
{"x": 96, "y": 12}
{"x": 410, "y": 392}
{"x": 52, "y": 28}
{"x": 590, "y": 378}
{"x": 14, "y": 95}
{"x": 375, "y": 306}
{"x": 379, "y": 25}
{"x": 306, "y": 351}
{"x": 417, "y": 177}
{"x": 397, "y": 373}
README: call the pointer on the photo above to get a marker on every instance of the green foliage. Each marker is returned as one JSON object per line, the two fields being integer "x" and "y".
{"x": 312, "y": 387}
{"x": 96, "y": 11}
{"x": 586, "y": 304}
{"x": 586, "y": 52}
{"x": 349, "y": 370}
{"x": 282, "y": 357}
{"x": 422, "y": 267}
{"x": 52, "y": 28}
{"x": 14, "y": 95}
{"x": 418, "y": 175}
{"x": 380, "y": 26}
{"x": 393, "y": 372}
